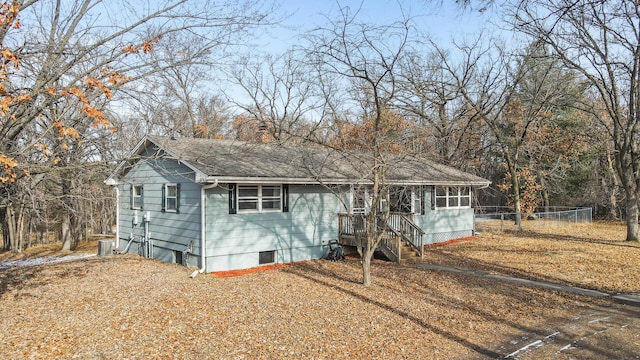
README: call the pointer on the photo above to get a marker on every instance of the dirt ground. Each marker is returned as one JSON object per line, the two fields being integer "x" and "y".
{"x": 128, "y": 307}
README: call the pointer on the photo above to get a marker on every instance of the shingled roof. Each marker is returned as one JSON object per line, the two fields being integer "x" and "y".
{"x": 237, "y": 161}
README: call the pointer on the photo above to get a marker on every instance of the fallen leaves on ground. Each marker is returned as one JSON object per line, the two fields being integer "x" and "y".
{"x": 589, "y": 255}
{"x": 134, "y": 308}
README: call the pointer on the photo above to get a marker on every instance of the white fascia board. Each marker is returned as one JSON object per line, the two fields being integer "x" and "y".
{"x": 111, "y": 180}
{"x": 199, "y": 175}
{"x": 201, "y": 178}
{"x": 480, "y": 184}
{"x": 275, "y": 180}
{"x": 311, "y": 181}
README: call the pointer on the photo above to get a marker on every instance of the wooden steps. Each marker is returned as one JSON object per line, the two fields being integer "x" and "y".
{"x": 407, "y": 253}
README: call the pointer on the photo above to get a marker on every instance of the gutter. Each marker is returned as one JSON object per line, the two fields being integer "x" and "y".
{"x": 319, "y": 181}
{"x": 484, "y": 186}
{"x": 203, "y": 237}
{"x": 117, "y": 217}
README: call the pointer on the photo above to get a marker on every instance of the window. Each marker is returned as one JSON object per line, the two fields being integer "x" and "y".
{"x": 266, "y": 257}
{"x": 171, "y": 197}
{"x": 402, "y": 199}
{"x": 259, "y": 198}
{"x": 453, "y": 197}
{"x": 465, "y": 197}
{"x": 137, "y": 193}
{"x": 418, "y": 204}
{"x": 359, "y": 201}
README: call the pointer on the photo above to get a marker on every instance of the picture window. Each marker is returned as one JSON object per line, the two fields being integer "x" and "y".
{"x": 453, "y": 197}
{"x": 259, "y": 198}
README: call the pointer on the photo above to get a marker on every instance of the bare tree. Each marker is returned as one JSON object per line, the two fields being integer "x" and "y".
{"x": 521, "y": 98}
{"x": 64, "y": 63}
{"x": 283, "y": 98}
{"x": 445, "y": 127}
{"x": 486, "y": 77}
{"x": 600, "y": 41}
{"x": 365, "y": 59}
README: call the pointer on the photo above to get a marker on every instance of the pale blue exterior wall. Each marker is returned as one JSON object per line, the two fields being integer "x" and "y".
{"x": 235, "y": 240}
{"x": 169, "y": 232}
{"x": 444, "y": 224}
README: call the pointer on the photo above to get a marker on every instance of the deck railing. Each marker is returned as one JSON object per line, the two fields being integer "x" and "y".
{"x": 398, "y": 227}
{"x": 391, "y": 243}
{"x": 410, "y": 233}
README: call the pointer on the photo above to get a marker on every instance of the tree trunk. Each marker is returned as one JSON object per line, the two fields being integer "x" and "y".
{"x": 20, "y": 229}
{"x": 366, "y": 267}
{"x": 632, "y": 219}
{"x": 71, "y": 224}
{"x": 10, "y": 221}
{"x": 65, "y": 232}
{"x": 612, "y": 189}
{"x": 4, "y": 233}
{"x": 14, "y": 223}
{"x": 545, "y": 194}
{"x": 613, "y": 207}
{"x": 515, "y": 184}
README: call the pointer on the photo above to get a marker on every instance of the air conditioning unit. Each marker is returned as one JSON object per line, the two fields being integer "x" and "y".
{"x": 105, "y": 247}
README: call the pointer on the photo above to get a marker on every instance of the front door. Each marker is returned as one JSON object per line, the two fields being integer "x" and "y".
{"x": 400, "y": 199}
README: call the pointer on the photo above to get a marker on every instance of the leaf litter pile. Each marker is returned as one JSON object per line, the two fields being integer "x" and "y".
{"x": 128, "y": 307}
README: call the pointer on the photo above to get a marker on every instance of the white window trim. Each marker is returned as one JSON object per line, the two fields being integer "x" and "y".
{"x": 134, "y": 197}
{"x": 415, "y": 201}
{"x": 417, "y": 197}
{"x": 166, "y": 198}
{"x": 446, "y": 196}
{"x": 352, "y": 200}
{"x": 259, "y": 199}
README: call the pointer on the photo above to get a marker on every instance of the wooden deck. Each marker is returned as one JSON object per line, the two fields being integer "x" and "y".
{"x": 398, "y": 232}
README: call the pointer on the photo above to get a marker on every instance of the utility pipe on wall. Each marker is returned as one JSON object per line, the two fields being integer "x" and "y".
{"x": 117, "y": 217}
{"x": 147, "y": 238}
{"x": 203, "y": 228}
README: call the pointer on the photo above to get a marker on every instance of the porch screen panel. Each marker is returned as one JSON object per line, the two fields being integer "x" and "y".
{"x": 465, "y": 197}
{"x": 441, "y": 196}
{"x": 453, "y": 197}
{"x": 359, "y": 205}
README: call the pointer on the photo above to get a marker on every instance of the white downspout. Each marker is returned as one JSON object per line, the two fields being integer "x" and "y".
{"x": 203, "y": 228}
{"x": 117, "y": 245}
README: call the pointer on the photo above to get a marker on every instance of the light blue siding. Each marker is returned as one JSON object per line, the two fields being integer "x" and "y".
{"x": 444, "y": 224}
{"x": 235, "y": 240}
{"x": 168, "y": 231}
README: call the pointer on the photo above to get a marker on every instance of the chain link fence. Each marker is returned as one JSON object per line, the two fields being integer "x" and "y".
{"x": 503, "y": 218}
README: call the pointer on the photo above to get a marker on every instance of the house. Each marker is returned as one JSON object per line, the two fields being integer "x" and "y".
{"x": 224, "y": 205}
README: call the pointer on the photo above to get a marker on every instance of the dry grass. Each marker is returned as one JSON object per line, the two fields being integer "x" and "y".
{"x": 593, "y": 256}
{"x": 128, "y": 307}
{"x": 50, "y": 250}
